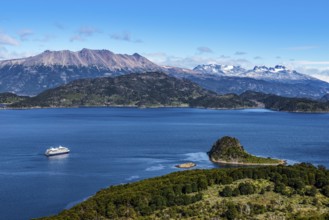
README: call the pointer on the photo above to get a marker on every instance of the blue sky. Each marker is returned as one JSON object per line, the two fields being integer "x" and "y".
{"x": 175, "y": 32}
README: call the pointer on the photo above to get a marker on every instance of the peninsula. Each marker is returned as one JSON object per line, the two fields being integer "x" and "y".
{"x": 228, "y": 150}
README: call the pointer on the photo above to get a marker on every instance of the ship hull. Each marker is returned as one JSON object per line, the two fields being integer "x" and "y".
{"x": 55, "y": 154}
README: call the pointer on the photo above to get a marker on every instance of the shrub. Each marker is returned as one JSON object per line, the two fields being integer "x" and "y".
{"x": 246, "y": 188}
{"x": 231, "y": 212}
{"x": 279, "y": 188}
{"x": 325, "y": 191}
{"x": 226, "y": 192}
{"x": 311, "y": 192}
{"x": 236, "y": 192}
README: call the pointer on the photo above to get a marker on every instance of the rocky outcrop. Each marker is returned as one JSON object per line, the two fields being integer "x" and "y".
{"x": 186, "y": 165}
{"x": 228, "y": 150}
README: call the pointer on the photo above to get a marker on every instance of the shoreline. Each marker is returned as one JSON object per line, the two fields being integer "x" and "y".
{"x": 281, "y": 162}
{"x": 160, "y": 106}
{"x": 127, "y": 106}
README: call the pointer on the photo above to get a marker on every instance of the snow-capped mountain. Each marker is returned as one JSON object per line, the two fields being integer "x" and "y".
{"x": 31, "y": 75}
{"x": 276, "y": 80}
{"x": 278, "y": 73}
{"x": 221, "y": 70}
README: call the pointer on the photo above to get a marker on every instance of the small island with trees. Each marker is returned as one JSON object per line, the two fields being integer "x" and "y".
{"x": 228, "y": 150}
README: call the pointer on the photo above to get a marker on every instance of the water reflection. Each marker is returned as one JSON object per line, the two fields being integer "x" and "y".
{"x": 58, "y": 158}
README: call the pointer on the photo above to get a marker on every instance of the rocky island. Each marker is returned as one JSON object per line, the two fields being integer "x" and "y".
{"x": 186, "y": 165}
{"x": 228, "y": 150}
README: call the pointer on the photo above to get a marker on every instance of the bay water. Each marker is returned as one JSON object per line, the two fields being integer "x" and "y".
{"x": 119, "y": 145}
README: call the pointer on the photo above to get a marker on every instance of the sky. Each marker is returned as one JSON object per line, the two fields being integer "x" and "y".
{"x": 182, "y": 33}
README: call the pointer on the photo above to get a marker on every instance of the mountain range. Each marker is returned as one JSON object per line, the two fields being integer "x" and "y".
{"x": 50, "y": 69}
{"x": 278, "y": 73}
{"x": 133, "y": 90}
{"x": 276, "y": 80}
{"x": 154, "y": 90}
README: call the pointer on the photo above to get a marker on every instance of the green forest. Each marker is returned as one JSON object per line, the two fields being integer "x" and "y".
{"x": 270, "y": 192}
{"x": 228, "y": 149}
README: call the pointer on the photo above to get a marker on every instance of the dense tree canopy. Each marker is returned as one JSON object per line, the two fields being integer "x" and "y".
{"x": 175, "y": 191}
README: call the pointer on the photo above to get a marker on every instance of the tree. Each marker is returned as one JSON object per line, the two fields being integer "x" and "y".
{"x": 246, "y": 188}
{"x": 202, "y": 183}
{"x": 187, "y": 189}
{"x": 111, "y": 211}
{"x": 226, "y": 192}
{"x": 231, "y": 212}
{"x": 311, "y": 192}
{"x": 325, "y": 191}
{"x": 227, "y": 180}
{"x": 194, "y": 187}
{"x": 236, "y": 192}
{"x": 296, "y": 183}
{"x": 321, "y": 182}
{"x": 279, "y": 188}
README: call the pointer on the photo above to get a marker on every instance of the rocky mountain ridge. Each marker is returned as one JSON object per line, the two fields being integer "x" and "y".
{"x": 85, "y": 57}
{"x": 278, "y": 73}
{"x": 133, "y": 90}
{"x": 33, "y": 75}
{"x": 154, "y": 90}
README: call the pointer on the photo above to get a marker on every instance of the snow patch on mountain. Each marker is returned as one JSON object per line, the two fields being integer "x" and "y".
{"x": 222, "y": 70}
{"x": 277, "y": 73}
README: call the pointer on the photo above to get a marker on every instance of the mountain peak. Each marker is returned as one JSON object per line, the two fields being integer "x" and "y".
{"x": 277, "y": 73}
{"x": 218, "y": 69}
{"x": 137, "y": 55}
{"x": 52, "y": 68}
{"x": 85, "y": 57}
{"x": 277, "y": 68}
{"x": 280, "y": 67}
{"x": 260, "y": 68}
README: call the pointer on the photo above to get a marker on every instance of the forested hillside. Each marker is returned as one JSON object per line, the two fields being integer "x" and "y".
{"x": 293, "y": 192}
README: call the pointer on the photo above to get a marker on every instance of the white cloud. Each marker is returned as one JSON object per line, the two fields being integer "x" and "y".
{"x": 24, "y": 34}
{"x": 45, "y": 38}
{"x": 321, "y": 77}
{"x": 190, "y": 62}
{"x": 239, "y": 53}
{"x": 225, "y": 57}
{"x": 317, "y": 69}
{"x": 8, "y": 40}
{"x": 84, "y": 32}
{"x": 76, "y": 38}
{"x": 5, "y": 54}
{"x": 308, "y": 62}
{"x": 59, "y": 26}
{"x": 204, "y": 50}
{"x": 87, "y": 31}
{"x": 124, "y": 36}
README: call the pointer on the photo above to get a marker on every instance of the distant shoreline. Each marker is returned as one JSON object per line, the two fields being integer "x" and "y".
{"x": 125, "y": 106}
{"x": 155, "y": 107}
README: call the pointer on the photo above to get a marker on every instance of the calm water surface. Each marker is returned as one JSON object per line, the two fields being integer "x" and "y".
{"x": 119, "y": 145}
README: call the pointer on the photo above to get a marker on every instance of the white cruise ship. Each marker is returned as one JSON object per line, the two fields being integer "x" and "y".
{"x": 56, "y": 151}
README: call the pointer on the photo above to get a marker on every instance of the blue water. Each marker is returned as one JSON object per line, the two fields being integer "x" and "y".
{"x": 118, "y": 145}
